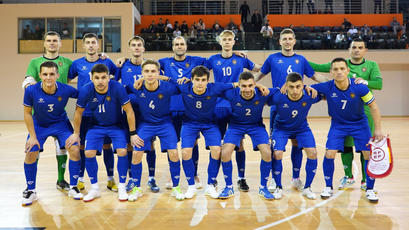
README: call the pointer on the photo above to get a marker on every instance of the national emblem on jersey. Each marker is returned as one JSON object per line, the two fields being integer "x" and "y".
{"x": 297, "y": 61}
{"x": 160, "y": 96}
{"x": 59, "y": 98}
{"x": 234, "y": 61}
{"x": 352, "y": 95}
{"x": 60, "y": 63}
{"x": 363, "y": 69}
{"x": 208, "y": 97}
{"x": 257, "y": 102}
{"x": 187, "y": 65}
{"x": 108, "y": 98}
{"x": 304, "y": 104}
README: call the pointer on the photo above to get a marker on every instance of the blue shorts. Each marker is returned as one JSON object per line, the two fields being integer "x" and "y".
{"x": 86, "y": 124}
{"x": 304, "y": 137}
{"x": 97, "y": 135}
{"x": 60, "y": 130}
{"x": 257, "y": 133}
{"x": 190, "y": 132}
{"x": 222, "y": 115}
{"x": 177, "y": 121}
{"x": 360, "y": 133}
{"x": 165, "y": 132}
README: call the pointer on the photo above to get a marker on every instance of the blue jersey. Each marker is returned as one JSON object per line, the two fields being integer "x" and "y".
{"x": 346, "y": 106}
{"x": 246, "y": 112}
{"x": 154, "y": 106}
{"x": 106, "y": 108}
{"x": 128, "y": 73}
{"x": 200, "y": 108}
{"x": 227, "y": 70}
{"x": 49, "y": 108}
{"x": 179, "y": 69}
{"x": 280, "y": 66}
{"x": 292, "y": 115}
{"x": 82, "y": 68}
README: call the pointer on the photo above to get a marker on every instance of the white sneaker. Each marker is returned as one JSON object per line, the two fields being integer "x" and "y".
{"x": 307, "y": 192}
{"x": 197, "y": 183}
{"x": 278, "y": 193}
{"x": 272, "y": 186}
{"x": 297, "y": 183}
{"x": 211, "y": 191}
{"x": 169, "y": 185}
{"x": 122, "y": 194}
{"x": 29, "y": 197}
{"x": 191, "y": 192}
{"x": 177, "y": 193}
{"x": 92, "y": 194}
{"x": 371, "y": 196}
{"x": 326, "y": 193}
{"x": 75, "y": 193}
{"x": 135, "y": 193}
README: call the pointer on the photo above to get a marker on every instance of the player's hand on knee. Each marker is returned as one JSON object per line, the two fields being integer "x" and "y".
{"x": 311, "y": 91}
{"x": 31, "y": 142}
{"x": 74, "y": 138}
{"x": 137, "y": 141}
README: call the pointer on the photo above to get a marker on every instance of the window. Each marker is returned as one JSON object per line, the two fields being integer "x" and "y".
{"x": 112, "y": 34}
{"x": 31, "y": 28}
{"x": 63, "y": 26}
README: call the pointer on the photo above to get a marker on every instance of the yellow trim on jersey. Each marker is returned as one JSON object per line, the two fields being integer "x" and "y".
{"x": 368, "y": 97}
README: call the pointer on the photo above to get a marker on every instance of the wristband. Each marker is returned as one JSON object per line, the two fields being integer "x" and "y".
{"x": 131, "y": 133}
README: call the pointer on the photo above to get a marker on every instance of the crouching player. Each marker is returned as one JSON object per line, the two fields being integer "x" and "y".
{"x": 291, "y": 123}
{"x": 48, "y": 99}
{"x": 247, "y": 107}
{"x": 346, "y": 107}
{"x": 106, "y": 98}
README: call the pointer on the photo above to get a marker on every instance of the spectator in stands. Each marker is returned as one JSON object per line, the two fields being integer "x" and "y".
{"x": 27, "y": 33}
{"x": 38, "y": 33}
{"x": 327, "y": 40}
{"x": 201, "y": 29}
{"x": 168, "y": 27}
{"x": 193, "y": 33}
{"x": 177, "y": 32}
{"x": 256, "y": 21}
{"x": 65, "y": 32}
{"x": 340, "y": 40}
{"x": 160, "y": 26}
{"x": 244, "y": 11}
{"x": 311, "y": 6}
{"x": 176, "y": 25}
{"x": 267, "y": 33}
{"x": 184, "y": 28}
{"x": 328, "y": 7}
{"x": 365, "y": 30}
{"x": 152, "y": 27}
{"x": 216, "y": 23}
{"x": 377, "y": 4}
{"x": 217, "y": 30}
{"x": 396, "y": 26}
{"x": 347, "y": 24}
{"x": 352, "y": 31}
{"x": 232, "y": 26}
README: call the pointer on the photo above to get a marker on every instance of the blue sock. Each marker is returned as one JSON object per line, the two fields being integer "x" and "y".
{"x": 296, "y": 159}
{"x": 370, "y": 182}
{"x": 265, "y": 168}
{"x": 137, "y": 173}
{"x": 122, "y": 167}
{"x": 151, "y": 161}
{"x": 109, "y": 161}
{"x": 175, "y": 172}
{"x": 195, "y": 157}
{"x": 241, "y": 163}
{"x": 30, "y": 170}
{"x": 188, "y": 168}
{"x": 273, "y": 160}
{"x": 74, "y": 169}
{"x": 328, "y": 168}
{"x": 228, "y": 171}
{"x": 212, "y": 170}
{"x": 278, "y": 169}
{"x": 129, "y": 163}
{"x": 82, "y": 168}
{"x": 92, "y": 169}
{"x": 310, "y": 169}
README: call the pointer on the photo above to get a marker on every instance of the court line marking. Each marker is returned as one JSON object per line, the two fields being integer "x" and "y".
{"x": 300, "y": 213}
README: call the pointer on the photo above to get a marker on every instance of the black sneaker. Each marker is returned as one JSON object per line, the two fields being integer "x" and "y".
{"x": 63, "y": 185}
{"x": 242, "y": 184}
{"x": 28, "y": 197}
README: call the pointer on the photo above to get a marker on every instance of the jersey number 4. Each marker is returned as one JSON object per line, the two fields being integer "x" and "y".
{"x": 151, "y": 105}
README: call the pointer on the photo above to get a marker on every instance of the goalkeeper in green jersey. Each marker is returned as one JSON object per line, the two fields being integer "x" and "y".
{"x": 366, "y": 72}
{"x": 52, "y": 45}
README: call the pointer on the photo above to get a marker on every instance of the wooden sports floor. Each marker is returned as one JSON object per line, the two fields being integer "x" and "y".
{"x": 345, "y": 210}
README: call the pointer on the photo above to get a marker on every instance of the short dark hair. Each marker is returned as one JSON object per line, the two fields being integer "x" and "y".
{"x": 150, "y": 62}
{"x": 246, "y": 76}
{"x": 136, "y": 38}
{"x": 200, "y": 71}
{"x": 358, "y": 40}
{"x": 49, "y": 64}
{"x": 51, "y": 33}
{"x": 89, "y": 35}
{"x": 293, "y": 77}
{"x": 287, "y": 31}
{"x": 99, "y": 68}
{"x": 339, "y": 59}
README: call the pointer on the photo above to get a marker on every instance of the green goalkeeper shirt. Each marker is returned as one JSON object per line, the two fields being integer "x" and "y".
{"x": 63, "y": 63}
{"x": 367, "y": 70}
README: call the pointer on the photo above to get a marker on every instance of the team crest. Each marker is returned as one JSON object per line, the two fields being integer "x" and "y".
{"x": 257, "y": 102}
{"x": 297, "y": 61}
{"x": 160, "y": 96}
{"x": 208, "y": 97}
{"x": 60, "y": 63}
{"x": 352, "y": 95}
{"x": 304, "y": 104}
{"x": 234, "y": 61}
{"x": 108, "y": 98}
{"x": 363, "y": 69}
{"x": 187, "y": 65}
{"x": 59, "y": 99}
